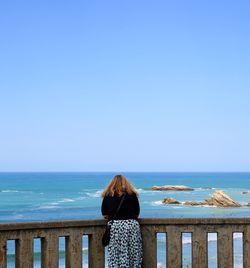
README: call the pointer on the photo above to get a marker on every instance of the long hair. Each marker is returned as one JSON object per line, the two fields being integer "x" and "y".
{"x": 119, "y": 185}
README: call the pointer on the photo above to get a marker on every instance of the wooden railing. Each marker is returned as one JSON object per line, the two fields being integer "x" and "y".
{"x": 73, "y": 231}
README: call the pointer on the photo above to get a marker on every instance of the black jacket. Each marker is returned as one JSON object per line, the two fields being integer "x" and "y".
{"x": 130, "y": 208}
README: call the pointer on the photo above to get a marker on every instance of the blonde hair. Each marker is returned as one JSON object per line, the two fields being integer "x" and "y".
{"x": 119, "y": 185}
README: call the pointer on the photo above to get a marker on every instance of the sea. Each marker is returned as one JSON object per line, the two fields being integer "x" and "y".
{"x": 53, "y": 196}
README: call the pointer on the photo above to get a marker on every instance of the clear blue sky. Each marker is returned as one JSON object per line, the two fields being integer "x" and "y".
{"x": 125, "y": 85}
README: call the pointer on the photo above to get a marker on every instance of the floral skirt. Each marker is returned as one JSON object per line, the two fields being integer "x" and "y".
{"x": 125, "y": 246}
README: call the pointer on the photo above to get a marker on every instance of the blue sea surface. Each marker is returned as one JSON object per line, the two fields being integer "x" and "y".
{"x": 57, "y": 196}
{"x": 77, "y": 195}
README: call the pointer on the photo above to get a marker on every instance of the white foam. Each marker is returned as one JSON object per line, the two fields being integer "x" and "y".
{"x": 48, "y": 207}
{"x": 95, "y": 194}
{"x": 81, "y": 198}
{"x": 9, "y": 191}
{"x": 66, "y": 200}
{"x": 204, "y": 188}
{"x": 237, "y": 235}
{"x": 186, "y": 240}
{"x": 140, "y": 190}
{"x": 159, "y": 265}
{"x": 156, "y": 203}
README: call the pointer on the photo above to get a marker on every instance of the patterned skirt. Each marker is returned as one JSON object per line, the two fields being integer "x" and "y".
{"x": 125, "y": 247}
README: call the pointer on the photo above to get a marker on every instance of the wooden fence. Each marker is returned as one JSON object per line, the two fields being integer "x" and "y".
{"x": 73, "y": 231}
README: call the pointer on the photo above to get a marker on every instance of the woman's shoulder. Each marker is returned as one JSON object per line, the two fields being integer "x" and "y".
{"x": 132, "y": 195}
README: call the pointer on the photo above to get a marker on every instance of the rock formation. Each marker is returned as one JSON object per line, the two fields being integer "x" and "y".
{"x": 220, "y": 199}
{"x": 195, "y": 203}
{"x": 170, "y": 200}
{"x": 172, "y": 188}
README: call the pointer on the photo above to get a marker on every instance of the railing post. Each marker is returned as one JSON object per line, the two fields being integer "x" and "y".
{"x": 24, "y": 251}
{"x": 199, "y": 248}
{"x": 149, "y": 246}
{"x": 50, "y": 251}
{"x": 96, "y": 249}
{"x": 174, "y": 247}
{"x": 246, "y": 246}
{"x": 225, "y": 247}
{"x": 74, "y": 250}
{"x": 3, "y": 252}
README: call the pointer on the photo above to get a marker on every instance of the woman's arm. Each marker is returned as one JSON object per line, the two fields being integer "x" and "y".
{"x": 136, "y": 206}
{"x": 104, "y": 208}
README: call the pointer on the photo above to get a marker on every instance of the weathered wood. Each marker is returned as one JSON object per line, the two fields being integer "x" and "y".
{"x": 50, "y": 231}
{"x": 174, "y": 247}
{"x": 96, "y": 250}
{"x": 74, "y": 250}
{"x": 50, "y": 251}
{"x": 199, "y": 248}
{"x": 246, "y": 247}
{"x": 225, "y": 247}
{"x": 24, "y": 251}
{"x": 149, "y": 245}
{"x": 101, "y": 223}
{"x": 3, "y": 251}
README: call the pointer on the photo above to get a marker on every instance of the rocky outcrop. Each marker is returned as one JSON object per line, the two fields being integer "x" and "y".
{"x": 195, "y": 203}
{"x": 170, "y": 200}
{"x": 220, "y": 199}
{"x": 172, "y": 188}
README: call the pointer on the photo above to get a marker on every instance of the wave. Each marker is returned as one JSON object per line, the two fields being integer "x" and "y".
{"x": 15, "y": 191}
{"x": 156, "y": 203}
{"x": 160, "y": 265}
{"x": 159, "y": 203}
{"x": 10, "y": 191}
{"x": 57, "y": 203}
{"x": 140, "y": 190}
{"x": 81, "y": 198}
{"x": 49, "y": 206}
{"x": 95, "y": 194}
{"x": 204, "y": 188}
{"x": 66, "y": 200}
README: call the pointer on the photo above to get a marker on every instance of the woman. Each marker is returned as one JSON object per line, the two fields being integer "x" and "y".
{"x": 125, "y": 246}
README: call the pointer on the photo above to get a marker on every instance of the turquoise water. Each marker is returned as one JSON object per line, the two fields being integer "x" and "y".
{"x": 58, "y": 196}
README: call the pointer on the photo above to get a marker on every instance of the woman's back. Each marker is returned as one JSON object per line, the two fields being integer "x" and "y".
{"x": 129, "y": 209}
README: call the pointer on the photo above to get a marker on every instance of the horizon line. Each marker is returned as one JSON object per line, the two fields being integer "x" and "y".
{"x": 91, "y": 171}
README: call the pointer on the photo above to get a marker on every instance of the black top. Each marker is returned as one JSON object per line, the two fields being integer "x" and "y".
{"x": 130, "y": 208}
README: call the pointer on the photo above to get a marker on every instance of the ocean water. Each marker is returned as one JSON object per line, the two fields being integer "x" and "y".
{"x": 59, "y": 196}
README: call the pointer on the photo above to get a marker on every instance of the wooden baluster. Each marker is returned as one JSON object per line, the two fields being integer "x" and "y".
{"x": 246, "y": 246}
{"x": 24, "y": 251}
{"x": 3, "y": 252}
{"x": 96, "y": 249}
{"x": 50, "y": 251}
{"x": 149, "y": 246}
{"x": 199, "y": 248}
{"x": 174, "y": 247}
{"x": 225, "y": 247}
{"x": 74, "y": 250}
